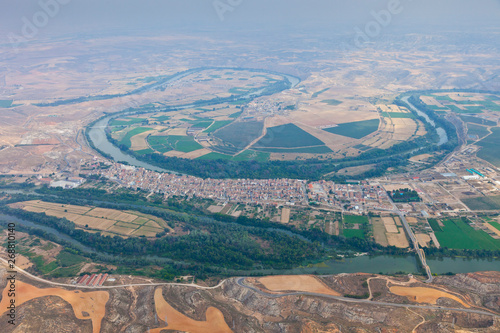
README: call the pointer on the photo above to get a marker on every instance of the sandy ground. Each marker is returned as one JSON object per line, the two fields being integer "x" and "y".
{"x": 177, "y": 321}
{"x": 304, "y": 283}
{"x": 285, "y": 215}
{"x": 420, "y": 158}
{"x": 94, "y": 303}
{"x": 424, "y": 295}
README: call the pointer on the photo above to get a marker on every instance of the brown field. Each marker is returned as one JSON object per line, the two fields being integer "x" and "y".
{"x": 423, "y": 239}
{"x": 176, "y": 321}
{"x": 285, "y": 215}
{"x": 94, "y": 302}
{"x": 420, "y": 158}
{"x": 389, "y": 225}
{"x": 398, "y": 240}
{"x": 379, "y": 231}
{"x": 93, "y": 222}
{"x": 305, "y": 283}
{"x": 424, "y": 295}
{"x": 102, "y": 219}
{"x": 197, "y": 153}
{"x": 139, "y": 141}
{"x": 178, "y": 131}
{"x": 412, "y": 220}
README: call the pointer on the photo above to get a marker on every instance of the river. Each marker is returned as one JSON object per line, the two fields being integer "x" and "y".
{"x": 443, "y": 137}
{"x": 99, "y": 139}
{"x": 378, "y": 264}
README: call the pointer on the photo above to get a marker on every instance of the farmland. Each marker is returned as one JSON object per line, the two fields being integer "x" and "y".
{"x": 240, "y": 134}
{"x": 351, "y": 233}
{"x": 357, "y": 129}
{"x": 164, "y": 144}
{"x": 457, "y": 234}
{"x": 483, "y": 203}
{"x": 136, "y": 131}
{"x": 287, "y": 136}
{"x": 108, "y": 221}
{"x": 489, "y": 147}
{"x": 355, "y": 219}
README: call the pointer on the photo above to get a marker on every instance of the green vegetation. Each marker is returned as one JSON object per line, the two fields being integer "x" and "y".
{"x": 495, "y": 224}
{"x": 355, "y": 219}
{"x": 180, "y": 143}
{"x": 351, "y": 233}
{"x": 356, "y": 130}
{"x": 457, "y": 234}
{"x": 404, "y": 195}
{"x": 398, "y": 114}
{"x": 478, "y": 130}
{"x": 247, "y": 155}
{"x": 216, "y": 125}
{"x": 332, "y": 102}
{"x": 6, "y": 103}
{"x": 240, "y": 134}
{"x": 489, "y": 150}
{"x": 483, "y": 203}
{"x": 477, "y": 120}
{"x": 126, "y": 121}
{"x": 287, "y": 136}
{"x": 162, "y": 118}
{"x": 235, "y": 115}
{"x": 306, "y": 150}
{"x": 435, "y": 225}
{"x": 317, "y": 93}
{"x": 202, "y": 124}
{"x": 138, "y": 130}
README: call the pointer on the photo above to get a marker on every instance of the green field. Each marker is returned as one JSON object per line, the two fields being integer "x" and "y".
{"x": 495, "y": 224}
{"x": 180, "y": 143}
{"x": 138, "y": 130}
{"x": 162, "y": 118}
{"x": 489, "y": 150}
{"x": 398, "y": 115}
{"x": 435, "y": 225}
{"x": 477, "y": 120}
{"x": 317, "y": 93}
{"x": 216, "y": 125}
{"x": 6, "y": 103}
{"x": 306, "y": 150}
{"x": 456, "y": 234}
{"x": 478, "y": 130}
{"x": 203, "y": 124}
{"x": 355, "y": 219}
{"x": 483, "y": 203}
{"x": 240, "y": 134}
{"x": 235, "y": 115}
{"x": 351, "y": 233}
{"x": 126, "y": 121}
{"x": 332, "y": 102}
{"x": 357, "y": 129}
{"x": 287, "y": 136}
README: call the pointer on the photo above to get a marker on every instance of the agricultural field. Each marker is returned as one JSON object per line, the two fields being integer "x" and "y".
{"x": 476, "y": 132}
{"x": 483, "y": 203}
{"x": 238, "y": 135}
{"x": 489, "y": 147}
{"x": 288, "y": 136}
{"x": 457, "y": 234}
{"x": 355, "y": 219}
{"x": 180, "y": 143}
{"x": 6, "y": 103}
{"x": 356, "y": 130}
{"x": 351, "y": 233}
{"x": 107, "y": 221}
{"x": 127, "y": 139}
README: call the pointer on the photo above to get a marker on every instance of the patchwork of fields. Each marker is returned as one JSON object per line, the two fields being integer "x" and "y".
{"x": 109, "y": 221}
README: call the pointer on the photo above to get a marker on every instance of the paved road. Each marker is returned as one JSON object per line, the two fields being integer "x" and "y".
{"x": 22, "y": 271}
{"x": 241, "y": 282}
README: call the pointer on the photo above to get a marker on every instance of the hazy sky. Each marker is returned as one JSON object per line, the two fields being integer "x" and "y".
{"x": 171, "y": 15}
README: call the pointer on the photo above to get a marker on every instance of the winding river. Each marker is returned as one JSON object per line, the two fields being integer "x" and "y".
{"x": 99, "y": 139}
